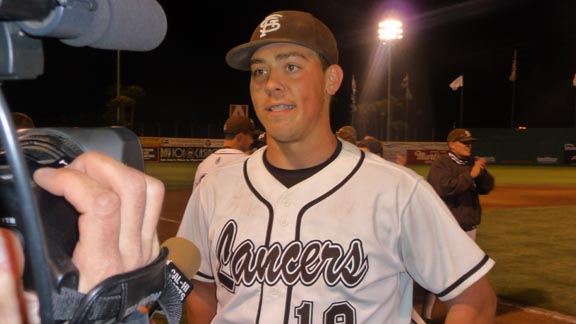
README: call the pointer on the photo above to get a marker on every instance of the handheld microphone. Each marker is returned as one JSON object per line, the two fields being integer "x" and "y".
{"x": 131, "y": 25}
{"x": 184, "y": 254}
{"x": 183, "y": 262}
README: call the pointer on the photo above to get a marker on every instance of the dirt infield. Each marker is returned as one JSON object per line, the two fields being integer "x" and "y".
{"x": 502, "y": 197}
{"x": 516, "y": 196}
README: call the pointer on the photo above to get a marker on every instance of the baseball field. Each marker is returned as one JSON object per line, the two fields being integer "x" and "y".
{"x": 528, "y": 228}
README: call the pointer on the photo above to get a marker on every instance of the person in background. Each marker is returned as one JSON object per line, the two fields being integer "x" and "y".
{"x": 259, "y": 141}
{"x": 21, "y": 120}
{"x": 348, "y": 133}
{"x": 459, "y": 178}
{"x": 239, "y": 134}
{"x": 311, "y": 229}
{"x": 372, "y": 144}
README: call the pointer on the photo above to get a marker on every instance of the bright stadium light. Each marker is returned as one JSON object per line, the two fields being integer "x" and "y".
{"x": 389, "y": 31}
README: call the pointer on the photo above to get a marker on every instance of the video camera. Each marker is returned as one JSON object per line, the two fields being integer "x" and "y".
{"x": 58, "y": 147}
{"x": 47, "y": 224}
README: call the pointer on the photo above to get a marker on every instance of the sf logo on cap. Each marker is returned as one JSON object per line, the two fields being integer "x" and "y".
{"x": 269, "y": 24}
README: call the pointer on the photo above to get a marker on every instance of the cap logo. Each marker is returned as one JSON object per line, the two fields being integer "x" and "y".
{"x": 270, "y": 24}
{"x": 467, "y": 134}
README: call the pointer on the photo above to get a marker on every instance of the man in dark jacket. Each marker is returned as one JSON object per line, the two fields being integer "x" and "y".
{"x": 458, "y": 178}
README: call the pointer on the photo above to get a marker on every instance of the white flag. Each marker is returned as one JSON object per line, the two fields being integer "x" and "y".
{"x": 457, "y": 83}
{"x": 405, "y": 82}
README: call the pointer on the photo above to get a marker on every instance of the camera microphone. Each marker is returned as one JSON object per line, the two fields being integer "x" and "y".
{"x": 183, "y": 262}
{"x": 131, "y": 25}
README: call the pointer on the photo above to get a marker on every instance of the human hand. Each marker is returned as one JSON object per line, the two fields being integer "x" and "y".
{"x": 400, "y": 159}
{"x": 15, "y": 305}
{"x": 119, "y": 208}
{"x": 478, "y": 167}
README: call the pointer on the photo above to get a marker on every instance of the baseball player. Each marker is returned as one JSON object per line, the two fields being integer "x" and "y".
{"x": 311, "y": 229}
{"x": 238, "y": 139}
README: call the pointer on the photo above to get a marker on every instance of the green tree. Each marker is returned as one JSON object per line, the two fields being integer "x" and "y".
{"x": 373, "y": 118}
{"x": 120, "y": 110}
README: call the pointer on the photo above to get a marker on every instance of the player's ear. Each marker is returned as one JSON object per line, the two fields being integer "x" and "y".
{"x": 334, "y": 76}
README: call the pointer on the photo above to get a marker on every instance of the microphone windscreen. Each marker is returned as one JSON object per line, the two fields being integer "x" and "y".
{"x": 131, "y": 25}
{"x": 184, "y": 254}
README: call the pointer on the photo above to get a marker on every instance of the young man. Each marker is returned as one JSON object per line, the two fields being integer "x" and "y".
{"x": 238, "y": 138}
{"x": 311, "y": 229}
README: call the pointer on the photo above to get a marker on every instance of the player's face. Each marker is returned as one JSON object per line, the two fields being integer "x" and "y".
{"x": 461, "y": 149}
{"x": 289, "y": 92}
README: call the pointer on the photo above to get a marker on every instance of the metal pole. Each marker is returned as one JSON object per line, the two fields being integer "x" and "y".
{"x": 462, "y": 106}
{"x": 512, "y": 106}
{"x": 389, "y": 92}
{"x": 406, "y": 117}
{"x": 118, "y": 87}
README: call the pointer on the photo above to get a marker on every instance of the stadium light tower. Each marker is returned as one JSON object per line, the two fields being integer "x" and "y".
{"x": 389, "y": 31}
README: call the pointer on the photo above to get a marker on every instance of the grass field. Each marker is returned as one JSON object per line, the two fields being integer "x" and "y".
{"x": 181, "y": 175}
{"x": 176, "y": 175}
{"x": 524, "y": 174}
{"x": 535, "y": 255}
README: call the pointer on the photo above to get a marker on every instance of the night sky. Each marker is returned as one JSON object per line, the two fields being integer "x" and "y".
{"x": 187, "y": 80}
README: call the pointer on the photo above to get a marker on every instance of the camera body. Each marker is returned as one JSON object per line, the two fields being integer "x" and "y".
{"x": 58, "y": 147}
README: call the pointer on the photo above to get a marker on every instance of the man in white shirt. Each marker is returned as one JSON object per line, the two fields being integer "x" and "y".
{"x": 238, "y": 137}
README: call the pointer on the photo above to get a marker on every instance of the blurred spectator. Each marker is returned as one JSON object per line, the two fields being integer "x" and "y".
{"x": 238, "y": 139}
{"x": 21, "y": 120}
{"x": 348, "y": 133}
{"x": 372, "y": 144}
{"x": 259, "y": 141}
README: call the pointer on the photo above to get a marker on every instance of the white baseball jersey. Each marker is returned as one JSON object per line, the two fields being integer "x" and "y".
{"x": 215, "y": 160}
{"x": 342, "y": 246}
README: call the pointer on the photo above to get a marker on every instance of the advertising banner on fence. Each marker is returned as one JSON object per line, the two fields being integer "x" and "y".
{"x": 415, "y": 152}
{"x": 570, "y": 154}
{"x": 172, "y": 149}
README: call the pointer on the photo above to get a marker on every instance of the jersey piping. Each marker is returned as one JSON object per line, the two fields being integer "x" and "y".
{"x": 298, "y": 223}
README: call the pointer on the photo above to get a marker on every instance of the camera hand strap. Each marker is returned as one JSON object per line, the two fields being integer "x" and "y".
{"x": 119, "y": 296}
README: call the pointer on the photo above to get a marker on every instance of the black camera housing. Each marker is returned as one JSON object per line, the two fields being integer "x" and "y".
{"x": 57, "y": 147}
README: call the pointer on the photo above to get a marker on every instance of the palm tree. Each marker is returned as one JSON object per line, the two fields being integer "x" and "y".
{"x": 121, "y": 109}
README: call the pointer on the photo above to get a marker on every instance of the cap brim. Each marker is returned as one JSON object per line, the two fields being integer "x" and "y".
{"x": 239, "y": 57}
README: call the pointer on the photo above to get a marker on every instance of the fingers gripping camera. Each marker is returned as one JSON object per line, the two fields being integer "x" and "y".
{"x": 117, "y": 296}
{"x": 57, "y": 147}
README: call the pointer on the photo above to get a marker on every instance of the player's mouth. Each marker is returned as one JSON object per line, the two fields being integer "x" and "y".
{"x": 276, "y": 108}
